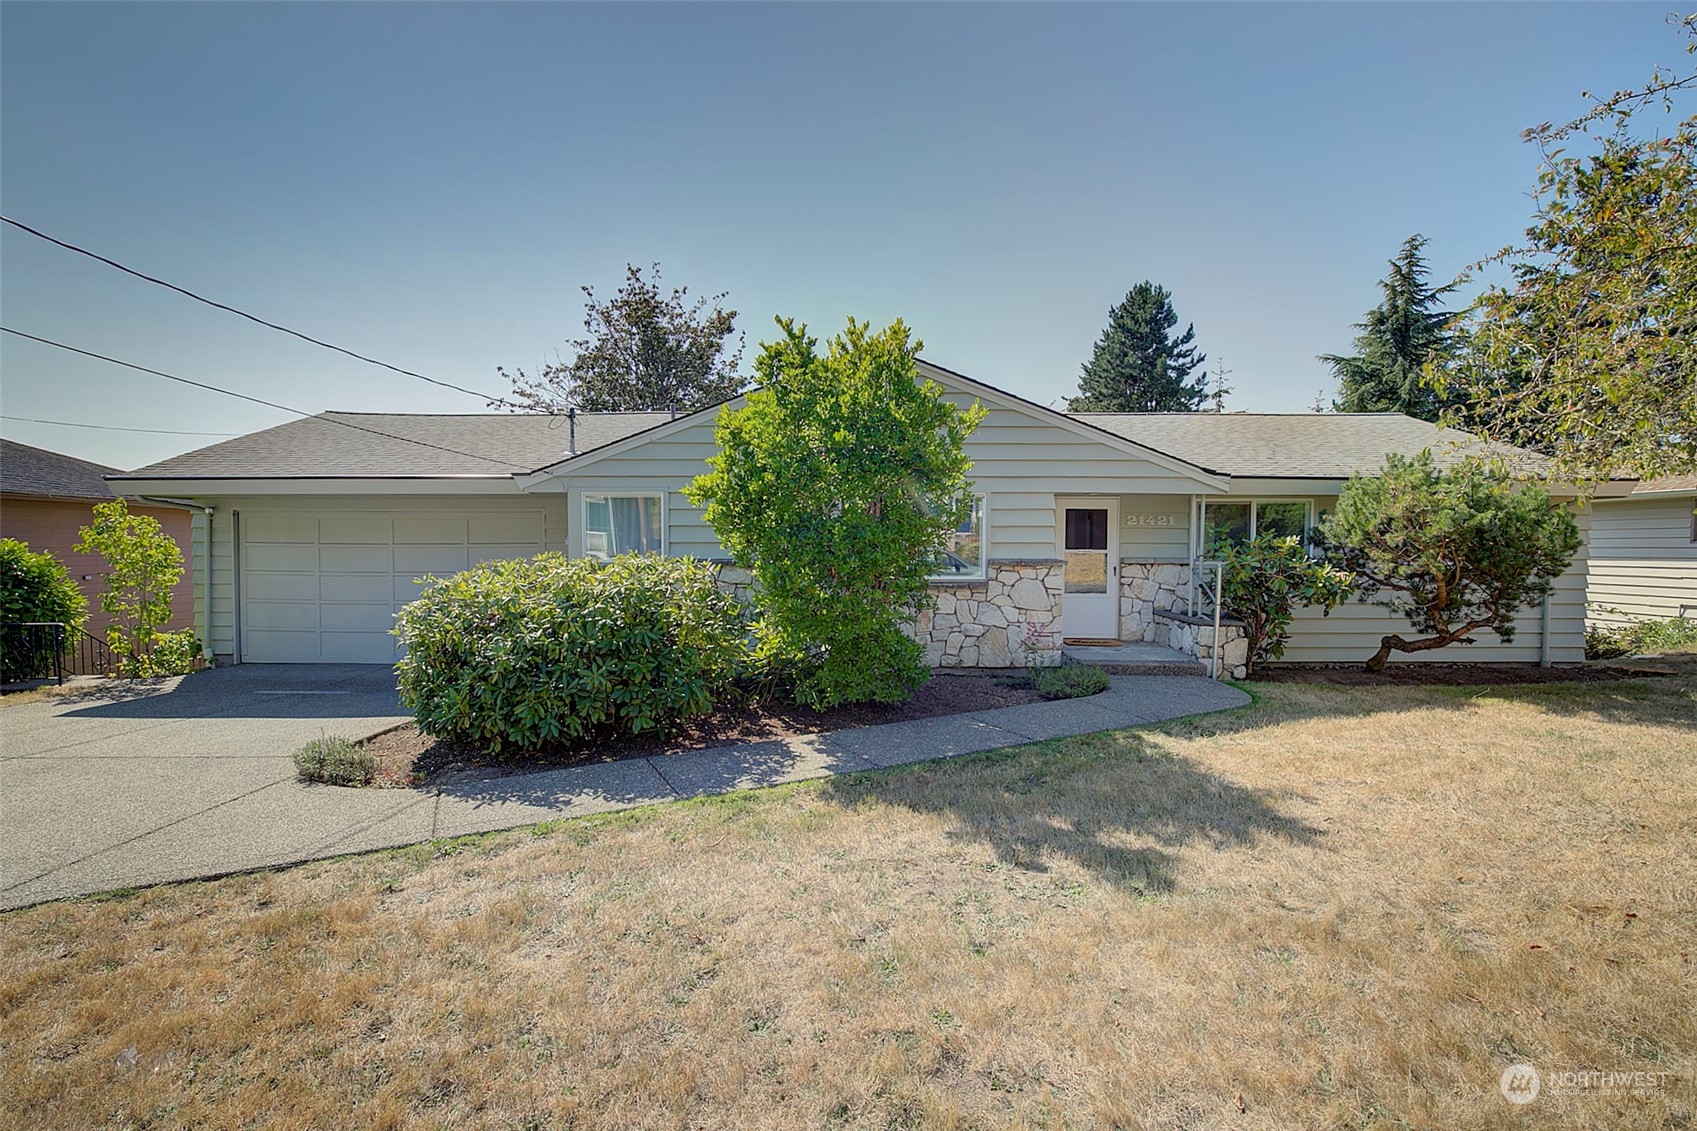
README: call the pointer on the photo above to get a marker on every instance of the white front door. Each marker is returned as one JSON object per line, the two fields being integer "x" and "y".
{"x": 1087, "y": 533}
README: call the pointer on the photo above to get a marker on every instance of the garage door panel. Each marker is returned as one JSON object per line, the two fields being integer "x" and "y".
{"x": 279, "y": 527}
{"x": 502, "y": 529}
{"x": 358, "y": 529}
{"x": 365, "y": 618}
{"x": 354, "y": 587}
{"x": 416, "y": 560}
{"x": 502, "y": 553}
{"x": 282, "y": 586}
{"x": 429, "y": 529}
{"x": 355, "y": 559}
{"x": 298, "y": 615}
{"x": 273, "y": 647}
{"x": 291, "y": 558}
{"x": 360, "y": 647}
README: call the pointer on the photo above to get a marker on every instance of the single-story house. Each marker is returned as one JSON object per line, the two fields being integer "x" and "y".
{"x": 1644, "y": 553}
{"x": 1087, "y": 526}
{"x": 46, "y": 498}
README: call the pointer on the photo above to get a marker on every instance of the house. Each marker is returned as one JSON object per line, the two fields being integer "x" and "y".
{"x": 1644, "y": 553}
{"x": 1085, "y": 527}
{"x": 46, "y": 498}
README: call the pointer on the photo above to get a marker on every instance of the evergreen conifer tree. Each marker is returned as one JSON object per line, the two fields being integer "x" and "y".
{"x": 1139, "y": 365}
{"x": 1397, "y": 338}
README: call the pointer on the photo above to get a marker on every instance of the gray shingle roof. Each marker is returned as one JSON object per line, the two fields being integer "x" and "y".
{"x": 381, "y": 445}
{"x": 1294, "y": 445}
{"x": 36, "y": 471}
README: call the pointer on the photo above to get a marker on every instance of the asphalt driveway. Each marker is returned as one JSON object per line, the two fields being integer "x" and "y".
{"x": 128, "y": 784}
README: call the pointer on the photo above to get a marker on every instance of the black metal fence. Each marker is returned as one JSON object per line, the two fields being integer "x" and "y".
{"x": 35, "y": 650}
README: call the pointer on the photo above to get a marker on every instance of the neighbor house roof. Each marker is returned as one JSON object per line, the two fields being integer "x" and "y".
{"x": 1668, "y": 485}
{"x": 1309, "y": 445}
{"x": 361, "y": 445}
{"x": 37, "y": 472}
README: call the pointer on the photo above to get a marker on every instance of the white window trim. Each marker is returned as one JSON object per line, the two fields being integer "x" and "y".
{"x": 983, "y": 545}
{"x": 623, "y": 493}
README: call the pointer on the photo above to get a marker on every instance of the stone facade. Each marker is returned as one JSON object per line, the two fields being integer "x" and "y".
{"x": 1008, "y": 620}
{"x": 1194, "y": 636}
{"x": 1147, "y": 588}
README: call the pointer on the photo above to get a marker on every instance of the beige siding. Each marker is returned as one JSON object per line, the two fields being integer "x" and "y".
{"x": 663, "y": 466}
{"x": 216, "y": 589}
{"x": 1644, "y": 563}
{"x": 1352, "y": 631}
{"x": 1155, "y": 528}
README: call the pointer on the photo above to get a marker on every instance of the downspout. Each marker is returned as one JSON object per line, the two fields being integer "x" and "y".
{"x": 202, "y": 570}
{"x": 236, "y": 583}
{"x": 1544, "y": 633}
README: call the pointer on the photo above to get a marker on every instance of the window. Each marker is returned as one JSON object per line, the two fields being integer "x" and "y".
{"x": 964, "y": 555}
{"x": 1239, "y": 522}
{"x": 622, "y": 524}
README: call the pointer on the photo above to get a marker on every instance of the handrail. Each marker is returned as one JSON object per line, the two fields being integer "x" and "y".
{"x": 31, "y": 650}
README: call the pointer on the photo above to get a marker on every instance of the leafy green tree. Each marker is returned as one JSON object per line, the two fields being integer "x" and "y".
{"x": 143, "y": 566}
{"x": 33, "y": 587}
{"x": 838, "y": 485}
{"x": 1396, "y": 340}
{"x": 1264, "y": 580}
{"x": 1588, "y": 352}
{"x": 645, "y": 350}
{"x": 1139, "y": 364}
{"x": 1454, "y": 550}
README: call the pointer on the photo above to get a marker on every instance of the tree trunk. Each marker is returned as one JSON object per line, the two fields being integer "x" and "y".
{"x": 1388, "y": 644}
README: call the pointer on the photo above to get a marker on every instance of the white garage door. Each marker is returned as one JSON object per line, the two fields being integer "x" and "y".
{"x": 325, "y": 588}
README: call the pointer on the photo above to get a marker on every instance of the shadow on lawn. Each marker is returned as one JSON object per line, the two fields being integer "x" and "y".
{"x": 1112, "y": 803}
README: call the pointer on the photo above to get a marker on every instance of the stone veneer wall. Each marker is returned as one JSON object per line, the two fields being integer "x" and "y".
{"x": 991, "y": 623}
{"x": 1194, "y": 636}
{"x": 1147, "y": 588}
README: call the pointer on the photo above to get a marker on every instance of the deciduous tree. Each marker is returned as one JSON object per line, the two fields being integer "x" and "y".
{"x": 143, "y": 566}
{"x": 837, "y": 485}
{"x": 644, "y": 350}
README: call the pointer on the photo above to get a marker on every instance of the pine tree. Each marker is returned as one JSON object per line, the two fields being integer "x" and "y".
{"x": 1397, "y": 338}
{"x": 1139, "y": 365}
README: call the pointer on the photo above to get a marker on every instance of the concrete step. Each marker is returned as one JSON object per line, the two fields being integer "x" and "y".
{"x": 1134, "y": 657}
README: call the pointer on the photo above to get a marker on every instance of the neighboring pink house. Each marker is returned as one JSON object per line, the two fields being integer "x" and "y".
{"x": 45, "y": 498}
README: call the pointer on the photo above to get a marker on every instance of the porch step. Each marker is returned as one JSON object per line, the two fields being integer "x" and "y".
{"x": 1134, "y": 657}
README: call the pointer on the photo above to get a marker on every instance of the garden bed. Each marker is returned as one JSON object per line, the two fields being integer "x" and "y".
{"x": 1458, "y": 675}
{"x": 406, "y": 756}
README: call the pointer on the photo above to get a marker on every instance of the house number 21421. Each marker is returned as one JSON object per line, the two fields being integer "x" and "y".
{"x": 1151, "y": 520}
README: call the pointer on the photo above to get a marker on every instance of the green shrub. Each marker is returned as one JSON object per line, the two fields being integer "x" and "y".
{"x": 174, "y": 653}
{"x": 1640, "y": 638}
{"x": 334, "y": 760}
{"x": 1264, "y": 580}
{"x": 521, "y": 654}
{"x": 34, "y": 587}
{"x": 1071, "y": 681}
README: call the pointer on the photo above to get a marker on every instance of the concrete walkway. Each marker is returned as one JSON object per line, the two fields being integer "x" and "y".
{"x": 181, "y": 779}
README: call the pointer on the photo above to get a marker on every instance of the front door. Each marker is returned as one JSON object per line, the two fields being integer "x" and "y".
{"x": 1088, "y": 532}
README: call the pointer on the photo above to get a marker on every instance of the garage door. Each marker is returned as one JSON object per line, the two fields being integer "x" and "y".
{"x": 325, "y": 588}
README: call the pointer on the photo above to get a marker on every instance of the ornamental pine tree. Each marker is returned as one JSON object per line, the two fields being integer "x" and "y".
{"x": 1139, "y": 364}
{"x": 1397, "y": 339}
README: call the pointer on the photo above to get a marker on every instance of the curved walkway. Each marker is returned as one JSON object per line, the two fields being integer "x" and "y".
{"x": 128, "y": 785}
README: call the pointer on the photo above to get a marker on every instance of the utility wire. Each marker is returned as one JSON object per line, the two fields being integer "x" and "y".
{"x": 113, "y": 427}
{"x": 260, "y": 401}
{"x": 486, "y": 398}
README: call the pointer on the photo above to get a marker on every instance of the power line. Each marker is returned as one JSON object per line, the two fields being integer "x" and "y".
{"x": 486, "y": 398}
{"x": 114, "y": 427}
{"x": 259, "y": 400}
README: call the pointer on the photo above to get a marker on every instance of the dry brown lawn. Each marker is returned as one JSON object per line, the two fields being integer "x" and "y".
{"x": 1341, "y": 907}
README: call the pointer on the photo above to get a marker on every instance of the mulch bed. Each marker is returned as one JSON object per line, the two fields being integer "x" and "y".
{"x": 1456, "y": 675}
{"x": 407, "y": 757}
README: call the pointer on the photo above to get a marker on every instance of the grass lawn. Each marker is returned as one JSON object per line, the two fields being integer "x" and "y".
{"x": 1341, "y": 907}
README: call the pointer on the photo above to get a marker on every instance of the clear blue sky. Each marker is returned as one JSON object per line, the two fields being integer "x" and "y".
{"x": 430, "y": 184}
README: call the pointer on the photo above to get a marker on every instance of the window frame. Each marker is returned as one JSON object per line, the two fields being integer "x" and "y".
{"x": 1308, "y": 520}
{"x": 621, "y": 493}
{"x": 982, "y": 499}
